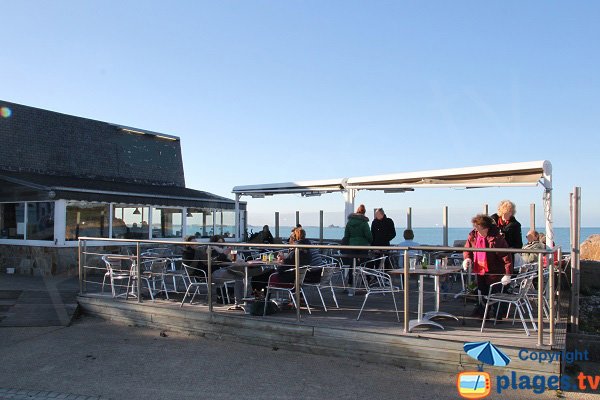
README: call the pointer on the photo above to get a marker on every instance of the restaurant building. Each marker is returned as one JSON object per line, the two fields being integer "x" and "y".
{"x": 62, "y": 177}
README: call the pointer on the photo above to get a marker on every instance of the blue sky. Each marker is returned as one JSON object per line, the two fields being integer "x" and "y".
{"x": 269, "y": 91}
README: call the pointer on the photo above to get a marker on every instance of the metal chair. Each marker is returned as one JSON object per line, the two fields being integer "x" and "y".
{"x": 272, "y": 287}
{"x": 115, "y": 272}
{"x": 196, "y": 278}
{"x": 327, "y": 272}
{"x": 377, "y": 282}
{"x": 153, "y": 272}
{"x": 338, "y": 265}
{"x": 379, "y": 264}
{"x": 518, "y": 299}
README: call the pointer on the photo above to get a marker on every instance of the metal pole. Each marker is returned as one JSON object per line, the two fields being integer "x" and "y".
{"x": 297, "y": 282}
{"x": 409, "y": 218}
{"x": 321, "y": 226}
{"x": 80, "y": 267}
{"x": 406, "y": 285}
{"x": 238, "y": 228}
{"x": 209, "y": 279}
{"x": 138, "y": 268}
{"x": 276, "y": 224}
{"x": 297, "y": 218}
{"x": 552, "y": 297}
{"x": 540, "y": 310}
{"x": 575, "y": 265}
{"x": 445, "y": 224}
{"x": 485, "y": 209}
{"x": 85, "y": 264}
{"x": 532, "y": 216}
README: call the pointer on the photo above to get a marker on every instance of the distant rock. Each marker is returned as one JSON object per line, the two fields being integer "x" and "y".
{"x": 590, "y": 248}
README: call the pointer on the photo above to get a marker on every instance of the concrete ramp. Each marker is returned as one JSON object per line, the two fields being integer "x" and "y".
{"x": 37, "y": 302}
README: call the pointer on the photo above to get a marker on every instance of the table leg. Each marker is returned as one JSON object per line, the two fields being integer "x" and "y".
{"x": 420, "y": 319}
{"x": 420, "y": 305}
{"x": 245, "y": 281}
{"x": 352, "y": 289}
{"x": 436, "y": 281}
{"x": 437, "y": 312}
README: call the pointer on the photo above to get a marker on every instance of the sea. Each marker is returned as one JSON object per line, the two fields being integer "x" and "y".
{"x": 431, "y": 236}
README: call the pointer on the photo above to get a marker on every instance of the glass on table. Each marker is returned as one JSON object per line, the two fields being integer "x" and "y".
{"x": 413, "y": 263}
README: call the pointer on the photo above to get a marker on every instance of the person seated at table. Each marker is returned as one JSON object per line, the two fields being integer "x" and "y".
{"x": 534, "y": 242}
{"x": 195, "y": 257}
{"x": 219, "y": 253}
{"x": 292, "y": 238}
{"x": 409, "y": 236}
{"x": 284, "y": 275}
{"x": 265, "y": 235}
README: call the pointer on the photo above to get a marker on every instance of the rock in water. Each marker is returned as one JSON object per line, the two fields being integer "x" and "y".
{"x": 590, "y": 248}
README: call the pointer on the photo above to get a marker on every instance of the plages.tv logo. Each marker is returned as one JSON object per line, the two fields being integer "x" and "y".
{"x": 477, "y": 384}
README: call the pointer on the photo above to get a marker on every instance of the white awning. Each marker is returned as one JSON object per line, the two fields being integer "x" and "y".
{"x": 306, "y": 188}
{"x": 515, "y": 174}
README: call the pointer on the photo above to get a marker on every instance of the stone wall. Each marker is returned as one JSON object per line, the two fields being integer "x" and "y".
{"x": 50, "y": 261}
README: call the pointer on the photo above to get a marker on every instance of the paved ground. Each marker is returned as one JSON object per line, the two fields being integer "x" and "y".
{"x": 37, "y": 301}
{"x": 95, "y": 359}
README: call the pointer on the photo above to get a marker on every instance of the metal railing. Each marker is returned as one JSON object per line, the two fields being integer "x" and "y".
{"x": 549, "y": 253}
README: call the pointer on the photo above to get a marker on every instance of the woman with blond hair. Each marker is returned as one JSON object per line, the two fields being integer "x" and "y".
{"x": 508, "y": 225}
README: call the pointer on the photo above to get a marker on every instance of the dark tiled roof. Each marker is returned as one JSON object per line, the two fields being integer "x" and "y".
{"x": 72, "y": 188}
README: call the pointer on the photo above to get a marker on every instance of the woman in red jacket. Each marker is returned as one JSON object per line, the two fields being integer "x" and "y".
{"x": 489, "y": 267}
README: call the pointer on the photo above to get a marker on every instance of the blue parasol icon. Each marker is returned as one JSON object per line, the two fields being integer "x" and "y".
{"x": 486, "y": 353}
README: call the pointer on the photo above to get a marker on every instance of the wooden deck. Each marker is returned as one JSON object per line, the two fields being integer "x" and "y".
{"x": 377, "y": 337}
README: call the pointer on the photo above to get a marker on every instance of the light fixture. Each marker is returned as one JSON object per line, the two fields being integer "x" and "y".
{"x": 136, "y": 211}
{"x": 189, "y": 214}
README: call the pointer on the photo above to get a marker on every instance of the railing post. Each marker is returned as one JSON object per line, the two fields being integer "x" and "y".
{"x": 209, "y": 279}
{"x": 551, "y": 298}
{"x": 532, "y": 216}
{"x": 80, "y": 267}
{"x": 297, "y": 218}
{"x": 321, "y": 227}
{"x": 406, "y": 285}
{"x": 297, "y": 282}
{"x": 485, "y": 209}
{"x": 84, "y": 265}
{"x": 409, "y": 218}
{"x": 540, "y": 341}
{"x": 277, "y": 224}
{"x": 445, "y": 225}
{"x": 138, "y": 267}
{"x": 575, "y": 253}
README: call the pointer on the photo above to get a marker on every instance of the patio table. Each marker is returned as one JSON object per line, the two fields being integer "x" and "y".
{"x": 246, "y": 265}
{"x": 426, "y": 318}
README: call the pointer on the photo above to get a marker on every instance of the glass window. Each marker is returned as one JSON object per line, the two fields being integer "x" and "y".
{"x": 40, "y": 221}
{"x": 199, "y": 222}
{"x": 86, "y": 219}
{"x": 130, "y": 222}
{"x": 226, "y": 223}
{"x": 12, "y": 221}
{"x": 166, "y": 222}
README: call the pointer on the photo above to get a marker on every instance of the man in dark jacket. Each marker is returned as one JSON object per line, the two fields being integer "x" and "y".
{"x": 382, "y": 229}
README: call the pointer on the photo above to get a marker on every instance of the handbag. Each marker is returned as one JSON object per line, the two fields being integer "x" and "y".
{"x": 258, "y": 307}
